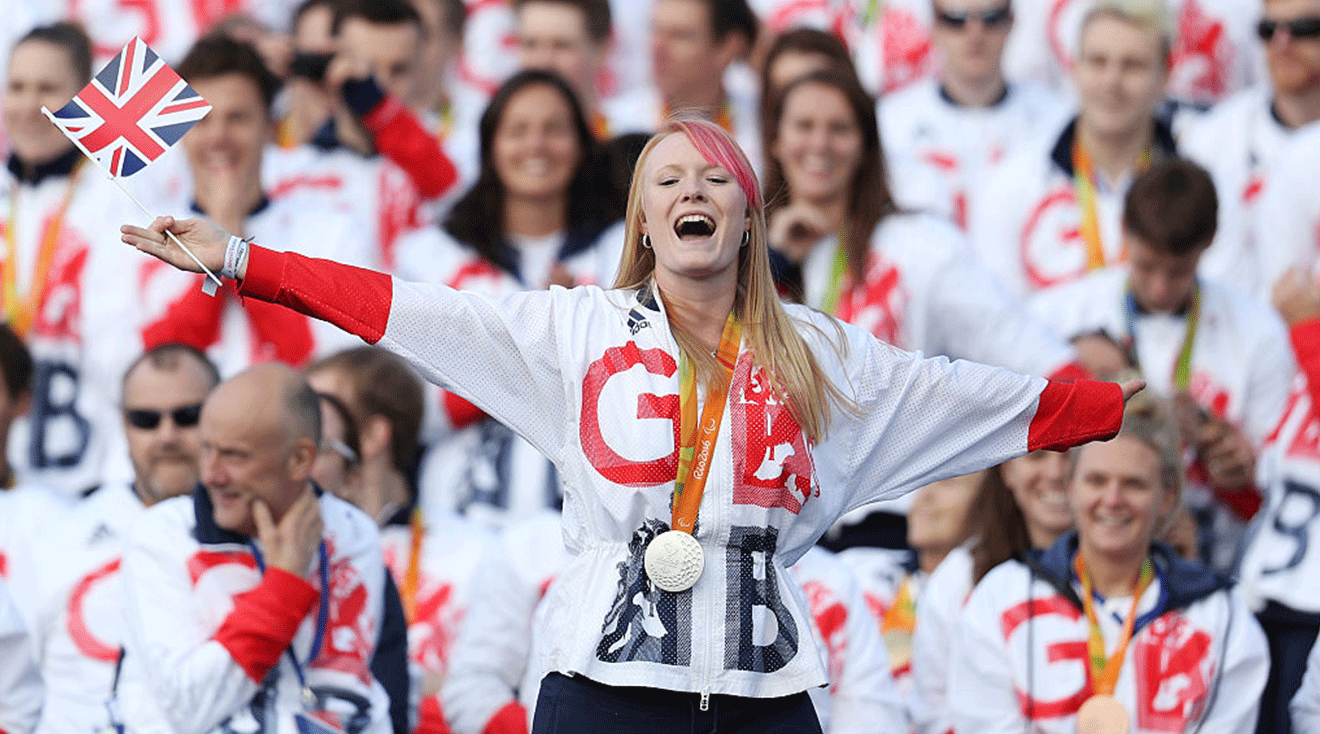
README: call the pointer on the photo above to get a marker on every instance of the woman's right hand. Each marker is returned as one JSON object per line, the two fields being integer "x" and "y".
{"x": 795, "y": 229}
{"x": 204, "y": 239}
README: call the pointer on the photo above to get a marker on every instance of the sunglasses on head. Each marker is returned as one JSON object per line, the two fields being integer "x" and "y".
{"x": 1300, "y": 28}
{"x": 147, "y": 420}
{"x": 992, "y": 18}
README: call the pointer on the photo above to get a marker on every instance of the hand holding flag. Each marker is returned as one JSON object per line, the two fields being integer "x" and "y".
{"x": 131, "y": 112}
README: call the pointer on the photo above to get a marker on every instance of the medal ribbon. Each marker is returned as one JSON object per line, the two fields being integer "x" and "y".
{"x": 1084, "y": 188}
{"x": 1182, "y": 367}
{"x": 830, "y": 302}
{"x": 1105, "y": 668}
{"x": 694, "y": 466}
{"x": 21, "y": 311}
{"x": 413, "y": 574}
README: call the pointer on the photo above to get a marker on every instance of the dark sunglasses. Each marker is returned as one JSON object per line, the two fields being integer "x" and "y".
{"x": 992, "y": 18}
{"x": 147, "y": 420}
{"x": 1300, "y": 28}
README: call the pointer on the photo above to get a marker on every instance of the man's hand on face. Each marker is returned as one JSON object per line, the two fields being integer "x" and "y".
{"x": 291, "y": 543}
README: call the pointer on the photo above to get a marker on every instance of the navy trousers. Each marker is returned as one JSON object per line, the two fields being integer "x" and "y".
{"x": 574, "y": 705}
{"x": 1290, "y": 634}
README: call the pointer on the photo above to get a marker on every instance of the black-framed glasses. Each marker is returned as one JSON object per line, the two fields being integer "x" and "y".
{"x": 990, "y": 18}
{"x": 1299, "y": 28}
{"x": 147, "y": 420}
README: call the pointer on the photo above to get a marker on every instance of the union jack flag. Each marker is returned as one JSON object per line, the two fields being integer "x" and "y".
{"x": 133, "y": 110}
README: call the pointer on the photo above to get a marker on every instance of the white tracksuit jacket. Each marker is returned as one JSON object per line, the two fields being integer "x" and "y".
{"x": 493, "y": 656}
{"x": 1245, "y": 149}
{"x": 20, "y": 679}
{"x": 1026, "y": 224}
{"x": 69, "y": 588}
{"x": 87, "y": 330}
{"x": 962, "y": 143}
{"x": 935, "y": 637}
{"x": 207, "y": 638}
{"x": 447, "y": 563}
{"x": 1281, "y": 563}
{"x": 1197, "y": 661}
{"x": 1241, "y": 363}
{"x": 927, "y": 291}
{"x": 590, "y": 378}
{"x": 1305, "y": 706}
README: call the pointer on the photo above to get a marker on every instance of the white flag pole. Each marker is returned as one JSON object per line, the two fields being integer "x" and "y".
{"x": 213, "y": 281}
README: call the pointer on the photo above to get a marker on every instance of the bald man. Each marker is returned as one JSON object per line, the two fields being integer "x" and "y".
{"x": 229, "y": 622}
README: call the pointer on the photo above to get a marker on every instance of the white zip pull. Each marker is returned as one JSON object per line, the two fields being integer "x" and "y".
{"x": 705, "y": 701}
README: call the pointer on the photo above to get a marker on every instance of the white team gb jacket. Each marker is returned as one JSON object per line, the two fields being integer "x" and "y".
{"x": 1197, "y": 661}
{"x": 190, "y": 666}
{"x": 590, "y": 378}
{"x": 20, "y": 680}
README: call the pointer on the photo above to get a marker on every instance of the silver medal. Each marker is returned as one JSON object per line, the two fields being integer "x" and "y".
{"x": 674, "y": 561}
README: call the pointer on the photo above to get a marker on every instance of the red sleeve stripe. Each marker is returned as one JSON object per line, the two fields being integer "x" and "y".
{"x": 402, "y": 139}
{"x": 512, "y": 719}
{"x": 264, "y": 621}
{"x": 355, "y": 299}
{"x": 1072, "y": 413}
{"x": 1305, "y": 337}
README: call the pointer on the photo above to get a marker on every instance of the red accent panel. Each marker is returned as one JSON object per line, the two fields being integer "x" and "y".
{"x": 1071, "y": 372}
{"x": 402, "y": 139}
{"x": 264, "y": 621}
{"x": 1072, "y": 413}
{"x": 203, "y": 561}
{"x": 461, "y": 413}
{"x": 1244, "y": 503}
{"x": 512, "y": 719}
{"x": 1305, "y": 338}
{"x": 430, "y": 717}
{"x": 193, "y": 319}
{"x": 355, "y": 299}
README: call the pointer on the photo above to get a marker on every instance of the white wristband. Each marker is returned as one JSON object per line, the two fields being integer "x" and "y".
{"x": 235, "y": 255}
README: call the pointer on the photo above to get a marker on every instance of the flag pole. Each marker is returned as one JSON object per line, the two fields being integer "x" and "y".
{"x": 213, "y": 281}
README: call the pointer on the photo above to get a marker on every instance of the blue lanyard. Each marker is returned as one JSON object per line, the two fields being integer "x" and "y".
{"x": 321, "y": 615}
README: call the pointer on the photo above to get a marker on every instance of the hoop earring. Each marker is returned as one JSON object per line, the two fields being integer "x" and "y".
{"x": 646, "y": 241}
{"x": 747, "y": 237}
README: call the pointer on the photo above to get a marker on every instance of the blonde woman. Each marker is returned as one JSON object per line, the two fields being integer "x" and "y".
{"x": 1107, "y": 630}
{"x": 681, "y": 527}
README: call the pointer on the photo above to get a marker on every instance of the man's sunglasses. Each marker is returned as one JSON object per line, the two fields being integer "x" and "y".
{"x": 147, "y": 420}
{"x": 992, "y": 18}
{"x": 1300, "y": 28}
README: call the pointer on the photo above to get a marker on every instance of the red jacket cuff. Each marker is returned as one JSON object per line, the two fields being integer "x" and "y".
{"x": 512, "y": 719}
{"x": 1072, "y": 413}
{"x": 1070, "y": 372}
{"x": 264, "y": 621}
{"x": 262, "y": 280}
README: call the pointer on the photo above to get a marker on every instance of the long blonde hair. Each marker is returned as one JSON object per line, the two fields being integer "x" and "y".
{"x": 795, "y": 375}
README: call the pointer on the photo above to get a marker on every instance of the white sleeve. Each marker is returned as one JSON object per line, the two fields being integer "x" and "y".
{"x": 932, "y": 643}
{"x": 21, "y": 689}
{"x": 192, "y": 679}
{"x": 928, "y": 419}
{"x": 491, "y": 652}
{"x": 980, "y": 672}
{"x": 501, "y": 354}
{"x": 865, "y": 700}
{"x": 1246, "y": 666}
{"x": 1305, "y": 706}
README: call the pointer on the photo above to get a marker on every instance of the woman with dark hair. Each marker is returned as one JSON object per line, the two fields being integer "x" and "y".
{"x": 843, "y": 245}
{"x": 1020, "y": 504}
{"x": 542, "y": 212}
{"x": 543, "y": 194}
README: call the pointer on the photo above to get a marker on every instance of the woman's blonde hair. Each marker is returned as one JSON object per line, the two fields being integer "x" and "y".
{"x": 795, "y": 375}
{"x": 1150, "y": 15}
